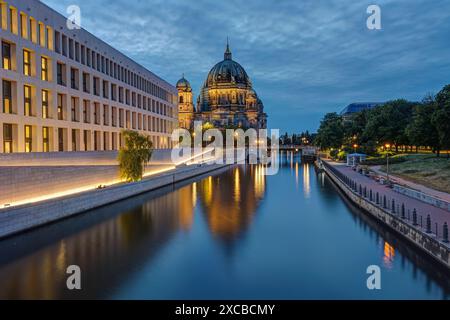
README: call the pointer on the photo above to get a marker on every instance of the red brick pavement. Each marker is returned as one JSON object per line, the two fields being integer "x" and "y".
{"x": 438, "y": 215}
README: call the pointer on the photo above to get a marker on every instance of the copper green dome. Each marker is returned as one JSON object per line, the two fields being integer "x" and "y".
{"x": 183, "y": 84}
{"x": 227, "y": 72}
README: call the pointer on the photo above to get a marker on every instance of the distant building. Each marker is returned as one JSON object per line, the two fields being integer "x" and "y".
{"x": 358, "y": 107}
{"x": 226, "y": 98}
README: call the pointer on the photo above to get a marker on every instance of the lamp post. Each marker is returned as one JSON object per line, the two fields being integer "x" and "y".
{"x": 388, "y": 146}
{"x": 354, "y": 147}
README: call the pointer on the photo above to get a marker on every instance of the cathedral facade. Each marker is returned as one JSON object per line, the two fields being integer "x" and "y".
{"x": 226, "y": 100}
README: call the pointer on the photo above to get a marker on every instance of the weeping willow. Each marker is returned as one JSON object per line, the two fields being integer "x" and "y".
{"x": 134, "y": 155}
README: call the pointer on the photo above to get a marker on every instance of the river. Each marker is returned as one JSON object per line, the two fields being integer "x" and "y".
{"x": 238, "y": 234}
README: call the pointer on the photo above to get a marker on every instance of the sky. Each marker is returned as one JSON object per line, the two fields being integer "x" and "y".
{"x": 305, "y": 57}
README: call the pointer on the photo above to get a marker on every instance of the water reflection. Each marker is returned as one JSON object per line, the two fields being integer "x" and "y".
{"x": 170, "y": 235}
{"x": 230, "y": 200}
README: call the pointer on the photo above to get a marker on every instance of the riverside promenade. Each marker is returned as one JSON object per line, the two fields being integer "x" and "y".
{"x": 424, "y": 217}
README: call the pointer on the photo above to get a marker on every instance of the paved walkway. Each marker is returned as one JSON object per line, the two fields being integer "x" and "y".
{"x": 438, "y": 215}
{"x": 432, "y": 192}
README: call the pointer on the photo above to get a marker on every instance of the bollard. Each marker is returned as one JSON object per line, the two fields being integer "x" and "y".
{"x": 414, "y": 217}
{"x": 360, "y": 189}
{"x": 378, "y": 198}
{"x": 445, "y": 232}
{"x": 403, "y": 211}
{"x": 393, "y": 206}
{"x": 384, "y": 202}
{"x": 370, "y": 195}
{"x": 365, "y": 192}
{"x": 428, "y": 224}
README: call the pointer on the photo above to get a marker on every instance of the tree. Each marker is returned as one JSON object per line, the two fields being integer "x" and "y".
{"x": 422, "y": 131}
{"x": 441, "y": 117}
{"x": 388, "y": 123}
{"x": 134, "y": 155}
{"x": 331, "y": 132}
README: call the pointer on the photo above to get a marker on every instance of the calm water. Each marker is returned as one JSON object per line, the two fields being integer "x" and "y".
{"x": 236, "y": 235}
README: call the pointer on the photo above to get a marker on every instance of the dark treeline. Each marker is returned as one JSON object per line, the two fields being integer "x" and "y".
{"x": 399, "y": 123}
{"x": 304, "y": 138}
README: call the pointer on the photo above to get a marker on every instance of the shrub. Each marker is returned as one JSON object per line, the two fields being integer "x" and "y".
{"x": 134, "y": 155}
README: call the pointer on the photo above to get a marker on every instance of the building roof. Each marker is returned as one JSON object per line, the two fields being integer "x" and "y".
{"x": 359, "y": 106}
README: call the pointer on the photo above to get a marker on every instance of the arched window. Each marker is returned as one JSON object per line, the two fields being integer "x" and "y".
{"x": 181, "y": 99}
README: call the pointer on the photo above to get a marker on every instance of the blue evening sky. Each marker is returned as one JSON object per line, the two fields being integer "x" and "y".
{"x": 305, "y": 57}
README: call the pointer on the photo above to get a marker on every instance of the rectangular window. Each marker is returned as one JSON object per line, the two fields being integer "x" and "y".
{"x": 33, "y": 30}
{"x": 26, "y": 62}
{"x": 86, "y": 111}
{"x": 42, "y": 34}
{"x": 27, "y": 101}
{"x": 74, "y": 140}
{"x": 60, "y": 107}
{"x": 44, "y": 68}
{"x": 45, "y": 110}
{"x": 45, "y": 139}
{"x": 7, "y": 97}
{"x": 28, "y": 139}
{"x": 6, "y": 55}
{"x": 61, "y": 74}
{"x": 7, "y": 138}
{"x": 23, "y": 26}
{"x": 60, "y": 139}
{"x": 73, "y": 102}
{"x": 86, "y": 84}
{"x": 13, "y": 20}
{"x": 74, "y": 78}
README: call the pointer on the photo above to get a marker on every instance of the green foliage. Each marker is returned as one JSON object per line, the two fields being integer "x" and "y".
{"x": 421, "y": 131}
{"x": 441, "y": 117}
{"x": 398, "y": 122}
{"x": 134, "y": 155}
{"x": 331, "y": 132}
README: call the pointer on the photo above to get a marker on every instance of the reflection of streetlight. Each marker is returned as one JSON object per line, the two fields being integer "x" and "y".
{"x": 388, "y": 146}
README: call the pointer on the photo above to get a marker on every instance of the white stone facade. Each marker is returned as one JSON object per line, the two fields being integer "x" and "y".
{"x": 66, "y": 90}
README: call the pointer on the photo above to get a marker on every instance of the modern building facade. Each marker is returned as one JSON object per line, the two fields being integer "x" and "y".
{"x": 353, "y": 108}
{"x": 226, "y": 99}
{"x": 66, "y": 90}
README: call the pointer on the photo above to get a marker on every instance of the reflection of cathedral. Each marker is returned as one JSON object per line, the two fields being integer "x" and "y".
{"x": 226, "y": 99}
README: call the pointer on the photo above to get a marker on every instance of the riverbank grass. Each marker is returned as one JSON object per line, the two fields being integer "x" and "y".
{"x": 425, "y": 169}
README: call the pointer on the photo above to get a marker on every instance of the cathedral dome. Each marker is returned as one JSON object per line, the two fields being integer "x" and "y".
{"x": 183, "y": 84}
{"x": 227, "y": 72}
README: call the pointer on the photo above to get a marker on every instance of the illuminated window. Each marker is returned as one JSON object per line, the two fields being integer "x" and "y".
{"x": 6, "y": 55}
{"x": 44, "y": 68}
{"x": 23, "y": 26}
{"x": 49, "y": 38}
{"x": 45, "y": 109}
{"x": 13, "y": 20}
{"x": 7, "y": 97}
{"x": 7, "y": 138}
{"x": 74, "y": 140}
{"x": 27, "y": 100}
{"x": 26, "y": 62}
{"x": 41, "y": 34}
{"x": 86, "y": 111}
{"x": 33, "y": 30}
{"x": 60, "y": 107}
{"x": 28, "y": 139}
{"x": 45, "y": 139}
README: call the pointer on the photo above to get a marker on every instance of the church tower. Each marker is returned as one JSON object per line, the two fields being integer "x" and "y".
{"x": 185, "y": 104}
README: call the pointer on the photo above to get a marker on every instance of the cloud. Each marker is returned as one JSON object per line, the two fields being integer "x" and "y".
{"x": 305, "y": 58}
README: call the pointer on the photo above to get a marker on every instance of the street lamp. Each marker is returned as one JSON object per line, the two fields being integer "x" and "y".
{"x": 388, "y": 146}
{"x": 354, "y": 147}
